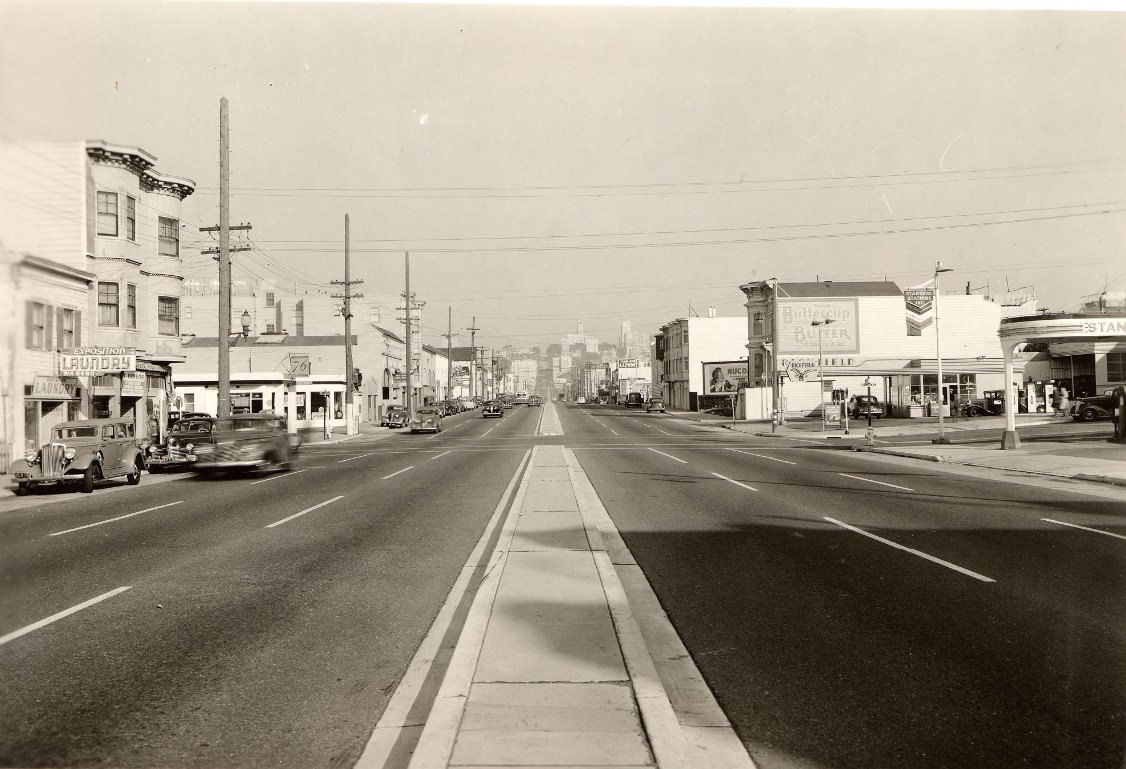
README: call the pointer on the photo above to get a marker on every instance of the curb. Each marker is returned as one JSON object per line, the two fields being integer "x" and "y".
{"x": 1089, "y": 477}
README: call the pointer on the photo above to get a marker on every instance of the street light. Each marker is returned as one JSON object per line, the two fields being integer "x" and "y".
{"x": 938, "y": 270}
{"x": 817, "y": 324}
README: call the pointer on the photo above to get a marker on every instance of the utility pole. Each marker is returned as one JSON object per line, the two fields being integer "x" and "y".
{"x": 473, "y": 346}
{"x": 409, "y": 297}
{"x": 352, "y": 424}
{"x": 224, "y": 257}
{"x": 449, "y": 353}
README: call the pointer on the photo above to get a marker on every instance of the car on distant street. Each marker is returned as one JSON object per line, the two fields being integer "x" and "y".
{"x": 521, "y": 399}
{"x": 634, "y": 400}
{"x": 860, "y": 406}
{"x": 492, "y": 409}
{"x": 654, "y": 404}
{"x": 534, "y": 400}
{"x": 394, "y": 416}
{"x": 1093, "y": 407}
{"x": 427, "y": 418}
{"x": 581, "y": 399}
{"x": 84, "y": 452}
{"x": 178, "y": 451}
{"x": 247, "y": 442}
{"x": 469, "y": 403}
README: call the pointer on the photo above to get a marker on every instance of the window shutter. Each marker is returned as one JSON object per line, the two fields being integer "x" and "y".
{"x": 59, "y": 327}
{"x": 29, "y": 325}
{"x": 49, "y": 334}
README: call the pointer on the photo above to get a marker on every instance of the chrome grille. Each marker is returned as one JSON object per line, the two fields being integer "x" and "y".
{"x": 51, "y": 459}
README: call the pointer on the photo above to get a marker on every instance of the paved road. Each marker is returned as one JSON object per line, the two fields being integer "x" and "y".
{"x": 248, "y": 637}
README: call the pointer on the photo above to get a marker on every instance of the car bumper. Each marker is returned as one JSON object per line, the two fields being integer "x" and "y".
{"x": 230, "y": 464}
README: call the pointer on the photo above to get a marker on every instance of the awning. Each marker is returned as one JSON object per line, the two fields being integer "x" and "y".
{"x": 154, "y": 368}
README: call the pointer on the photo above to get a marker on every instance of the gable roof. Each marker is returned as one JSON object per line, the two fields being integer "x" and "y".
{"x": 843, "y": 288}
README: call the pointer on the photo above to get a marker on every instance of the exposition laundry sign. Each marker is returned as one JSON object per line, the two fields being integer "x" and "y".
{"x": 97, "y": 360}
{"x": 838, "y": 326}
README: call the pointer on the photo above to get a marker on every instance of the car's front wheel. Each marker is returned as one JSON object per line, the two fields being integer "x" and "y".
{"x": 92, "y": 475}
{"x": 1088, "y": 415}
{"x": 134, "y": 477}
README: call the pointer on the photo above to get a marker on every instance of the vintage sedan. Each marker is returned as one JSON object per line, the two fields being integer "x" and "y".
{"x": 247, "y": 442}
{"x": 394, "y": 416}
{"x": 84, "y": 452}
{"x": 179, "y": 450}
{"x": 427, "y": 418}
{"x": 655, "y": 404}
{"x": 1093, "y": 407}
{"x": 493, "y": 409}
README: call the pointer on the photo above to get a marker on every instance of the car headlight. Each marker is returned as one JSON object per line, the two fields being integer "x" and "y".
{"x": 188, "y": 447}
{"x": 70, "y": 454}
{"x": 152, "y": 449}
{"x": 30, "y": 457}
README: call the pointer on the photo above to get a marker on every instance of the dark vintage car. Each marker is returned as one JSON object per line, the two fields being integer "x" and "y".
{"x": 247, "y": 442}
{"x": 428, "y": 418}
{"x": 861, "y": 406}
{"x": 179, "y": 450}
{"x": 493, "y": 409}
{"x": 655, "y": 404}
{"x": 1094, "y": 407}
{"x": 534, "y": 400}
{"x": 634, "y": 401}
{"x": 84, "y": 452}
{"x": 394, "y": 416}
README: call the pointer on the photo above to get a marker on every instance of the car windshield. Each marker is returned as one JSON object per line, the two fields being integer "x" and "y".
{"x": 427, "y": 410}
{"x": 241, "y": 424}
{"x": 76, "y": 432}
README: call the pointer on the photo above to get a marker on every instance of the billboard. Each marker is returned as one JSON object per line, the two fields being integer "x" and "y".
{"x": 797, "y": 335}
{"x": 722, "y": 377}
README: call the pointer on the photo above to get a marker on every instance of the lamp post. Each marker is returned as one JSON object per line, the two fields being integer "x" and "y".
{"x": 938, "y": 270}
{"x": 817, "y": 324}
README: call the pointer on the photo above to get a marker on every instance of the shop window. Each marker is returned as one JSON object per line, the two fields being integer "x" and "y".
{"x": 168, "y": 237}
{"x": 1116, "y": 366}
{"x": 108, "y": 304}
{"x": 131, "y": 218}
{"x": 168, "y": 315}
{"x": 130, "y": 305}
{"x": 107, "y": 213}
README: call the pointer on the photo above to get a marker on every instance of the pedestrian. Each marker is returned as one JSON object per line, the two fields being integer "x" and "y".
{"x": 1065, "y": 406}
{"x": 1056, "y": 400}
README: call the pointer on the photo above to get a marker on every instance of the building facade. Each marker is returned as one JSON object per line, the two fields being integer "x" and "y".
{"x": 685, "y": 345}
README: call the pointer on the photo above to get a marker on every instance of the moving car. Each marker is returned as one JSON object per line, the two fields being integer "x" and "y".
{"x": 655, "y": 404}
{"x": 468, "y": 403}
{"x": 493, "y": 409}
{"x": 1094, "y": 407}
{"x": 427, "y": 418}
{"x": 535, "y": 400}
{"x": 860, "y": 406}
{"x": 521, "y": 399}
{"x": 82, "y": 451}
{"x": 179, "y": 449}
{"x": 247, "y": 442}
{"x": 394, "y": 416}
{"x": 634, "y": 400}
{"x": 582, "y": 399}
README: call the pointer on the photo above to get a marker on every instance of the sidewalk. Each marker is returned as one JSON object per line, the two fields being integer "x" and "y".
{"x": 552, "y": 668}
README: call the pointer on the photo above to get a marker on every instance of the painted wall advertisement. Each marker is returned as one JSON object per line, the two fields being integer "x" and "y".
{"x": 839, "y": 331}
{"x": 724, "y": 377}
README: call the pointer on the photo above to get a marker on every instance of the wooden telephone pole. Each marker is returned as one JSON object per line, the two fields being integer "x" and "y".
{"x": 474, "y": 365}
{"x": 352, "y": 425}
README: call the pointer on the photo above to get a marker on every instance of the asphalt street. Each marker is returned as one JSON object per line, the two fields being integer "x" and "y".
{"x": 848, "y": 611}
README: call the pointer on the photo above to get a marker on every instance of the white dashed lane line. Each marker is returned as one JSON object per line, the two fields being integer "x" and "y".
{"x": 438, "y": 456}
{"x": 307, "y": 510}
{"x": 1085, "y": 528}
{"x": 397, "y": 472}
{"x": 919, "y": 553}
{"x": 670, "y": 456}
{"x": 294, "y": 472}
{"x": 869, "y": 480}
{"x": 118, "y": 518}
{"x": 729, "y": 480}
{"x": 361, "y": 456}
{"x": 56, "y": 617}
{"x": 763, "y": 456}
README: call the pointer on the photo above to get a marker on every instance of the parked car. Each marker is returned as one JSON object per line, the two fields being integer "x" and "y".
{"x": 178, "y": 451}
{"x": 427, "y": 418}
{"x": 469, "y": 403}
{"x": 247, "y": 442}
{"x": 84, "y": 452}
{"x": 654, "y": 404}
{"x": 581, "y": 399}
{"x": 860, "y": 406}
{"x": 1094, "y": 407}
{"x": 534, "y": 400}
{"x": 634, "y": 400}
{"x": 493, "y": 409}
{"x": 394, "y": 416}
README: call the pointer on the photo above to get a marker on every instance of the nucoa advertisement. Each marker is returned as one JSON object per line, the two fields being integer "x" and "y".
{"x": 837, "y": 330}
{"x": 724, "y": 377}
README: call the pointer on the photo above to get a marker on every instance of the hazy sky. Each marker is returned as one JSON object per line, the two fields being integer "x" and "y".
{"x": 546, "y": 165}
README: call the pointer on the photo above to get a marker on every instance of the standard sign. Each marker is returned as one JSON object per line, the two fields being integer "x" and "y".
{"x": 97, "y": 360}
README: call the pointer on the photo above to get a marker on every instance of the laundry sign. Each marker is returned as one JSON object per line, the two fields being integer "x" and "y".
{"x": 97, "y": 360}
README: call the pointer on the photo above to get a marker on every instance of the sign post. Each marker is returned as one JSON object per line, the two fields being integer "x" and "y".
{"x": 869, "y": 434}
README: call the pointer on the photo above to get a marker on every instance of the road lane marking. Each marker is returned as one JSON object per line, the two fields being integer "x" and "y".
{"x": 869, "y": 480}
{"x": 397, "y": 472}
{"x": 1085, "y": 528}
{"x": 293, "y": 472}
{"x": 670, "y": 456}
{"x": 439, "y": 456}
{"x": 919, "y": 553}
{"x": 118, "y": 518}
{"x": 662, "y": 431}
{"x": 298, "y": 515}
{"x": 614, "y": 431}
{"x": 56, "y": 617}
{"x": 729, "y": 480}
{"x": 763, "y": 456}
{"x": 360, "y": 456}
{"x": 487, "y": 431}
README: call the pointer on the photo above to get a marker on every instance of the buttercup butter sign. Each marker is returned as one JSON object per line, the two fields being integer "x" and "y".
{"x": 797, "y": 334}
{"x": 97, "y": 360}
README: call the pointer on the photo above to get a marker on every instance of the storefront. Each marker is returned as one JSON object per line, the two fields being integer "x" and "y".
{"x": 49, "y": 400}
{"x": 309, "y": 403}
